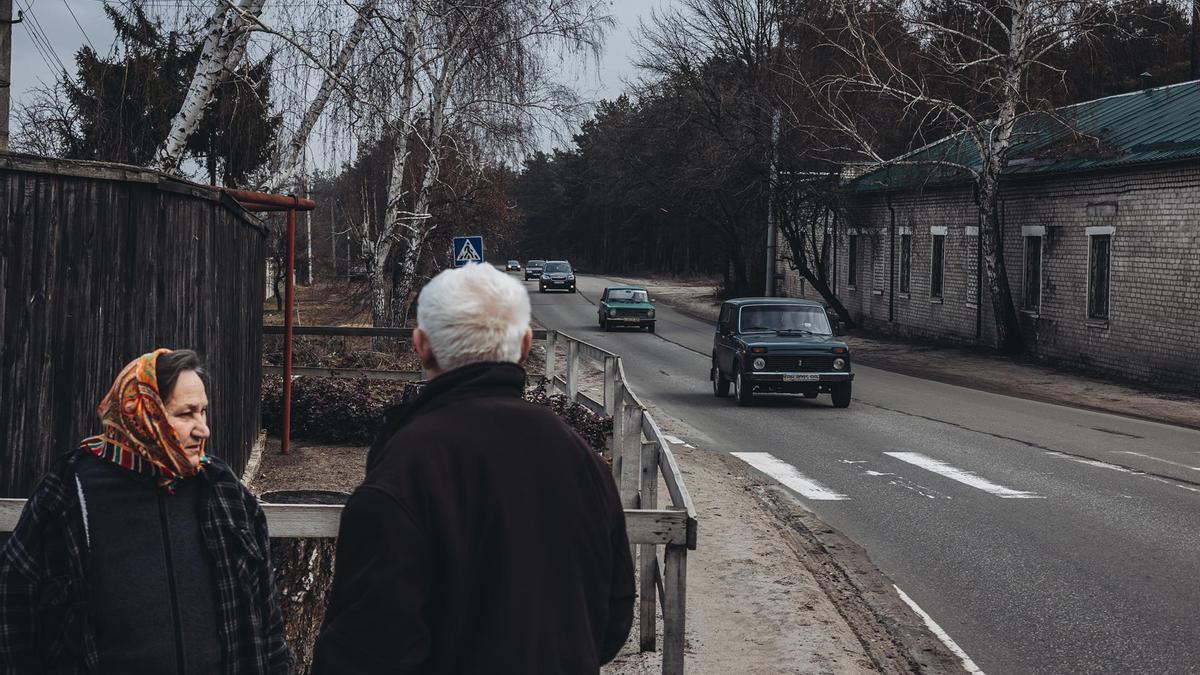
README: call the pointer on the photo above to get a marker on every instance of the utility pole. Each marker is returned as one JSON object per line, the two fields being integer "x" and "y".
{"x": 773, "y": 171}
{"x": 772, "y": 182}
{"x": 6, "y": 24}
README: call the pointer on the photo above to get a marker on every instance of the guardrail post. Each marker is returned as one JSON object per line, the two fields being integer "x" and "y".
{"x": 618, "y": 435}
{"x": 610, "y": 371}
{"x": 551, "y": 359}
{"x": 631, "y": 454}
{"x": 674, "y": 608}
{"x": 572, "y": 369}
{"x": 648, "y": 560}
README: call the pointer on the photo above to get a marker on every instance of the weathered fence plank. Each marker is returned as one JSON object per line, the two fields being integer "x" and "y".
{"x": 100, "y": 263}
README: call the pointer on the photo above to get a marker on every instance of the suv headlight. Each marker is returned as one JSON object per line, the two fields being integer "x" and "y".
{"x": 612, "y": 312}
{"x": 651, "y": 314}
{"x": 839, "y": 364}
{"x": 570, "y": 277}
{"x": 759, "y": 363}
{"x": 545, "y": 277}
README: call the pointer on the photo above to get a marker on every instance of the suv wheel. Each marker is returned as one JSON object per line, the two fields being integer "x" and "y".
{"x": 650, "y": 326}
{"x": 720, "y": 384}
{"x": 742, "y": 391}
{"x": 840, "y": 393}
{"x": 604, "y": 324}
{"x": 541, "y": 288}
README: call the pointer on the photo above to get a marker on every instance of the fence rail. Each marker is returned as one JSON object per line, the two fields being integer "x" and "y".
{"x": 357, "y": 331}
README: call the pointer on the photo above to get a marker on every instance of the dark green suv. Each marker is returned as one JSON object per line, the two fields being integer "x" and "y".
{"x": 779, "y": 345}
{"x": 625, "y": 306}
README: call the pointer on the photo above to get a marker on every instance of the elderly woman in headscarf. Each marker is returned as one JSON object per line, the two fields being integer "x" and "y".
{"x": 139, "y": 552}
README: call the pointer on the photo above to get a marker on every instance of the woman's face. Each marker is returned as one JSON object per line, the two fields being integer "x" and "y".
{"x": 187, "y": 411}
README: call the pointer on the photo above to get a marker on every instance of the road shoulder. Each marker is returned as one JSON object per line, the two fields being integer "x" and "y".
{"x": 771, "y": 589}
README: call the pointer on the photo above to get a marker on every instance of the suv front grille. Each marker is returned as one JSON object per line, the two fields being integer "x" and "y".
{"x": 807, "y": 363}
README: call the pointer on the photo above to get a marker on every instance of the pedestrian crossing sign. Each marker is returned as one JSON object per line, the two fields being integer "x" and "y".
{"x": 468, "y": 250}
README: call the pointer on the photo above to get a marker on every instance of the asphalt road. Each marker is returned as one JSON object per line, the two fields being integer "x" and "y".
{"x": 1042, "y": 539}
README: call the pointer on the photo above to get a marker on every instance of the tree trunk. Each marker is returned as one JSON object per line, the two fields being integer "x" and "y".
{"x": 822, "y": 286}
{"x": 286, "y": 175}
{"x": 303, "y": 571}
{"x": 405, "y": 279}
{"x": 224, "y": 44}
{"x": 1008, "y": 328}
{"x": 378, "y": 286}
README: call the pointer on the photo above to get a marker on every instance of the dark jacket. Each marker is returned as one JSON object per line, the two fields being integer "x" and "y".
{"x": 47, "y": 578}
{"x": 487, "y": 538}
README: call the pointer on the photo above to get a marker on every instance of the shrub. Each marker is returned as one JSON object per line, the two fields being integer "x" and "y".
{"x": 588, "y": 424}
{"x": 333, "y": 409}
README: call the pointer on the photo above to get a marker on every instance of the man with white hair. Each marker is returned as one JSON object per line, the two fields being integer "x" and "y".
{"x": 487, "y": 537}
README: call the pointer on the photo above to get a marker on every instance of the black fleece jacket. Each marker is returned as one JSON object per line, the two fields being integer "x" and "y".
{"x": 487, "y": 538}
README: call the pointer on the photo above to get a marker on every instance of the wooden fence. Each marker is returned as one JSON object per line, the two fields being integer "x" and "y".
{"x": 100, "y": 263}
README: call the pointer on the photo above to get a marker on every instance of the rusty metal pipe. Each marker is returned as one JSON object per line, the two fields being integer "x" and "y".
{"x": 290, "y": 298}
{"x": 261, "y": 201}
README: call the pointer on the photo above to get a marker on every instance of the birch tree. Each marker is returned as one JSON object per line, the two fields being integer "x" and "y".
{"x": 225, "y": 37}
{"x": 971, "y": 81}
{"x": 481, "y": 69}
{"x": 334, "y": 73}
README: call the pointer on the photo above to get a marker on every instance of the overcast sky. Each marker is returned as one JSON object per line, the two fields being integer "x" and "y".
{"x": 68, "y": 24}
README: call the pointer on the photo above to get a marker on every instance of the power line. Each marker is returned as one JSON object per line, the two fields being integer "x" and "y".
{"x": 35, "y": 29}
{"x": 81, "y": 30}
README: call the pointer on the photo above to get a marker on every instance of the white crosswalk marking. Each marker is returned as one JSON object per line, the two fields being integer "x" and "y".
{"x": 788, "y": 475}
{"x": 965, "y": 477}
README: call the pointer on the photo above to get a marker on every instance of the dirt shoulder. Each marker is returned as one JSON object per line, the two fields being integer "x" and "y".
{"x": 969, "y": 367}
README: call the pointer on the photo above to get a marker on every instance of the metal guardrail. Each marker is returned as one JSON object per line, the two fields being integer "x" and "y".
{"x": 640, "y": 454}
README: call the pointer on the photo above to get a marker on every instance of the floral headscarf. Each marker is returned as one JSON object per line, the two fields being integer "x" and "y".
{"x": 137, "y": 434}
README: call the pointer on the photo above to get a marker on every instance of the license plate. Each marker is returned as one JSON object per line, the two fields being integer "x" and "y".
{"x": 801, "y": 377}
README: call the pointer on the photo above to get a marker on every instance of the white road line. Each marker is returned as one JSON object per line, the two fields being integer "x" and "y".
{"x": 673, "y": 440}
{"x": 964, "y": 477}
{"x": 1158, "y": 459}
{"x": 968, "y": 664}
{"x": 788, "y": 475}
{"x": 1090, "y": 462}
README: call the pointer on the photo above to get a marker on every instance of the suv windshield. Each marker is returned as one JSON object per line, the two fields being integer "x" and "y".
{"x": 534, "y": 263}
{"x": 557, "y": 268}
{"x": 784, "y": 319}
{"x": 627, "y": 295}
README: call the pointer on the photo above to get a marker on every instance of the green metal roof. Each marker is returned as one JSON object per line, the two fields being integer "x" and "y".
{"x": 1143, "y": 127}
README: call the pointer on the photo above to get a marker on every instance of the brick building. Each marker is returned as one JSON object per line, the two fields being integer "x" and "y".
{"x": 1100, "y": 208}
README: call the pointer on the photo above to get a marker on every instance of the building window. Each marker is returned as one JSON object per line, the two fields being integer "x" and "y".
{"x": 937, "y": 268}
{"x": 878, "y": 265}
{"x": 1032, "y": 300}
{"x": 1099, "y": 268}
{"x": 905, "y": 264}
{"x": 852, "y": 261}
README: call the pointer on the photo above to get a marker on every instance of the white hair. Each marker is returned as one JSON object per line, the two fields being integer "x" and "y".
{"x": 473, "y": 314}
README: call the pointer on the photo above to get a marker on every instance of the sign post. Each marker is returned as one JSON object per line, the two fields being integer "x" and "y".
{"x": 468, "y": 250}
